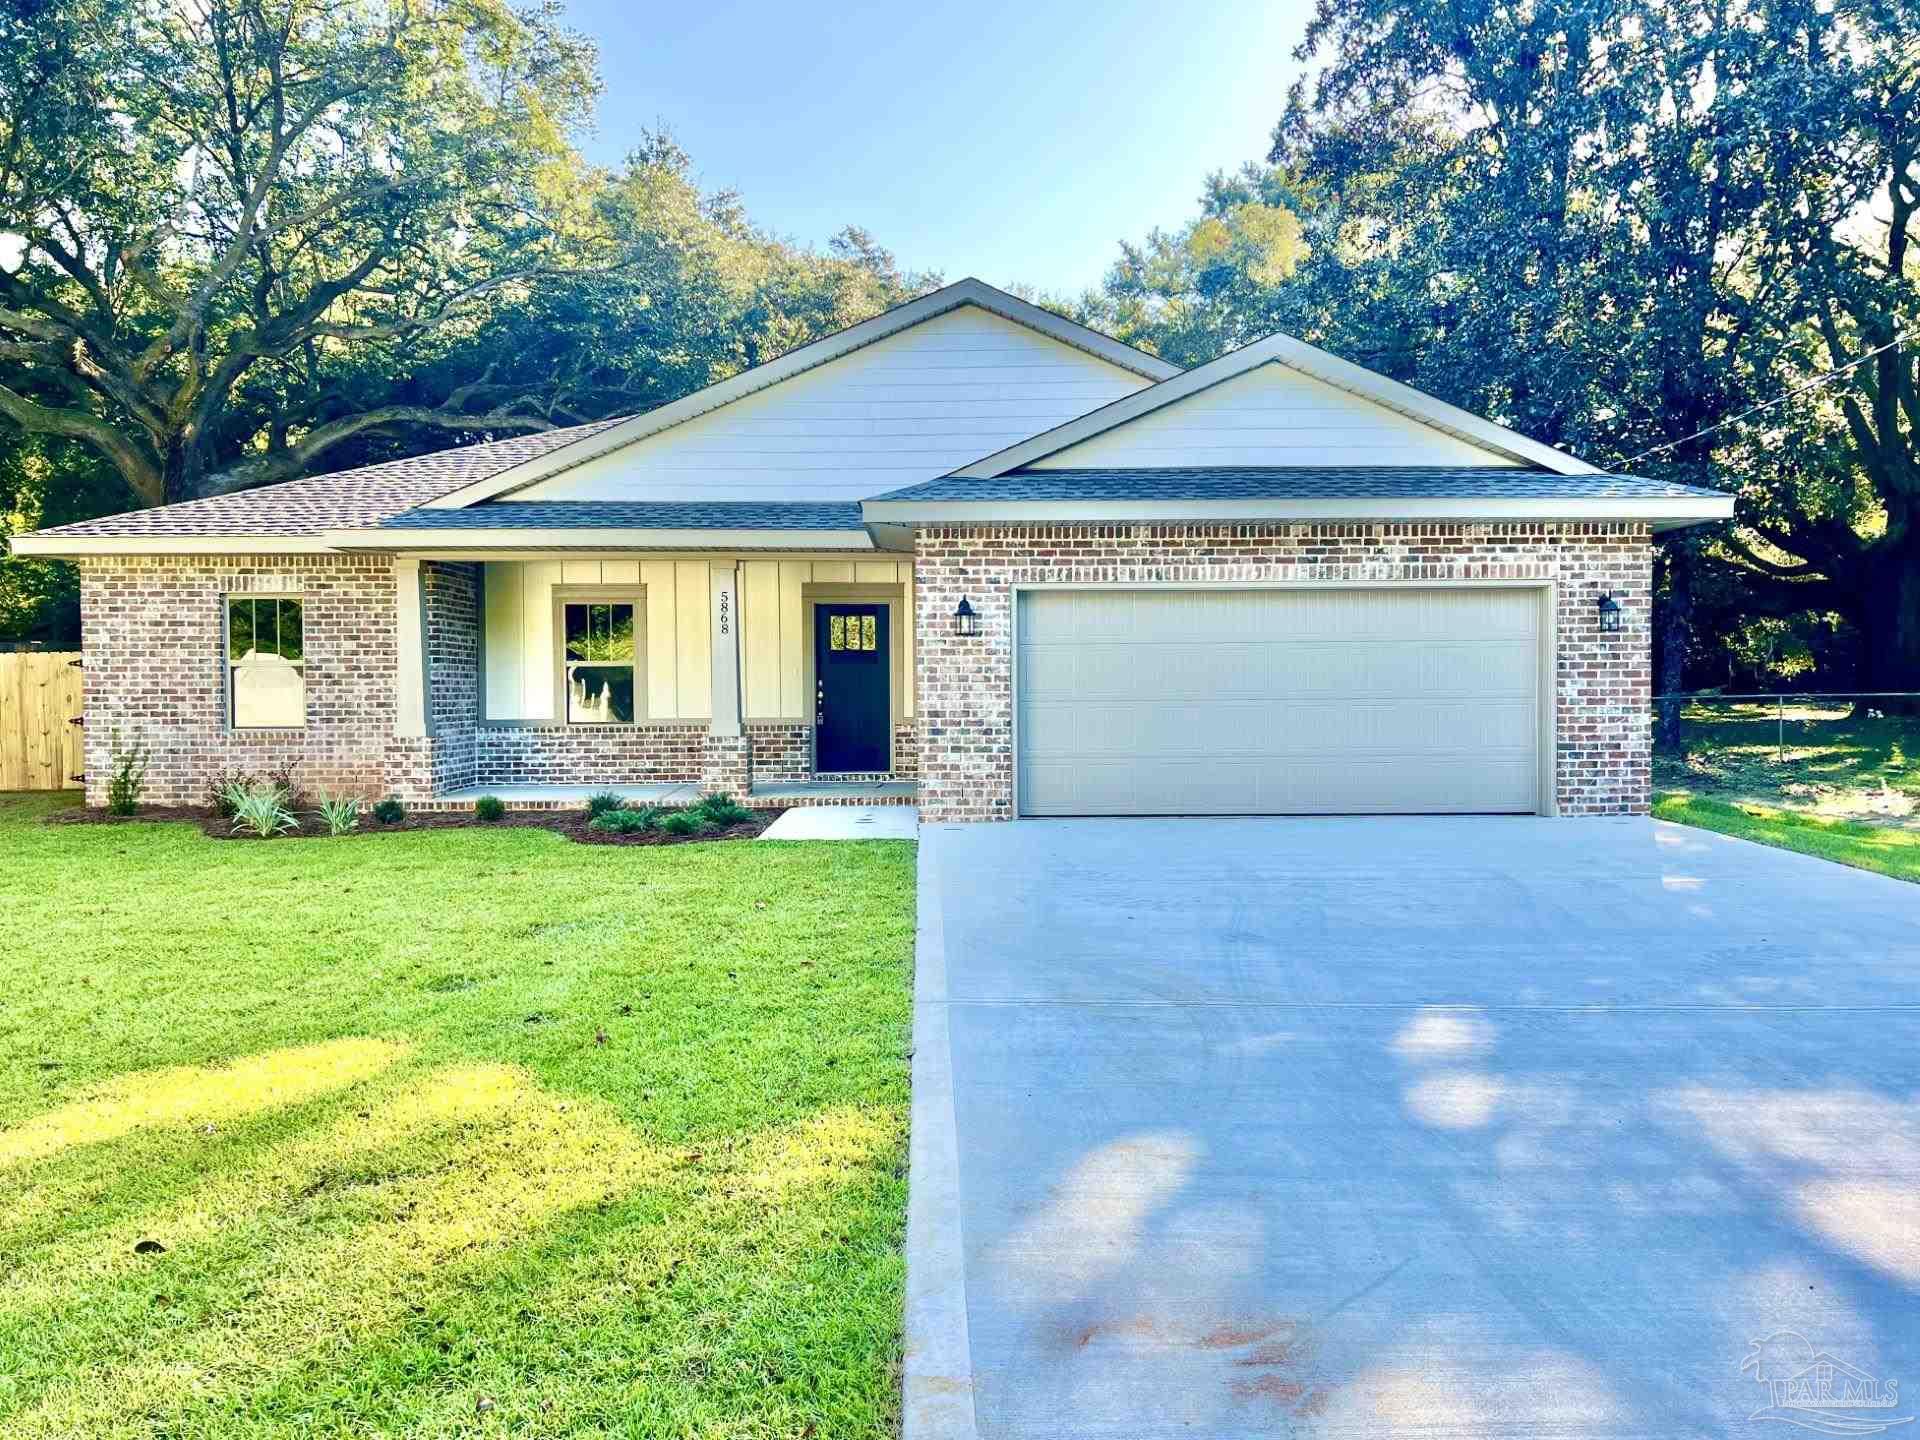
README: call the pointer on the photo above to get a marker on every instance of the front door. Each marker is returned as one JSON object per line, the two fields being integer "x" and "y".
{"x": 851, "y": 706}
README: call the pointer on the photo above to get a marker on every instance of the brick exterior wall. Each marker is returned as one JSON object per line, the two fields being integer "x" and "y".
{"x": 783, "y": 753}
{"x": 612, "y": 755}
{"x": 154, "y": 647}
{"x": 1602, "y": 682}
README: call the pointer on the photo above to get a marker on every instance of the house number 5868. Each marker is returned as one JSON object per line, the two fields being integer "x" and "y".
{"x": 726, "y": 612}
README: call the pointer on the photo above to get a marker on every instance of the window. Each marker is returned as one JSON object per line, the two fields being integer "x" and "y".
{"x": 266, "y": 662}
{"x": 600, "y": 670}
{"x": 851, "y": 632}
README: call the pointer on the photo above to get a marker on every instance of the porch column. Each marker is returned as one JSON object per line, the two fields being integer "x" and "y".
{"x": 725, "y": 611}
{"x": 410, "y": 685}
{"x": 729, "y": 760}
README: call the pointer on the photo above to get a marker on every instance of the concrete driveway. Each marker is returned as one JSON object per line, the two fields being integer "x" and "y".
{"x": 1437, "y": 1127}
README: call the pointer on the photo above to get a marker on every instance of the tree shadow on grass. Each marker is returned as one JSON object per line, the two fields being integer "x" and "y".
{"x": 456, "y": 1228}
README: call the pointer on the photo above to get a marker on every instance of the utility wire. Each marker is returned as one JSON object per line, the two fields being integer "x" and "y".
{"x": 1813, "y": 384}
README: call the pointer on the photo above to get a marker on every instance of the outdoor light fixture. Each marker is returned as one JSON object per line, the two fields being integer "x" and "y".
{"x": 965, "y": 622}
{"x": 1609, "y": 613}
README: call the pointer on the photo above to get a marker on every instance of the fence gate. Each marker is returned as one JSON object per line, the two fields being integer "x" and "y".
{"x": 40, "y": 746}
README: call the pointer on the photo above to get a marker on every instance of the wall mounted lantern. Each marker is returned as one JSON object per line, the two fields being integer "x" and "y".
{"x": 965, "y": 622}
{"x": 1609, "y": 613}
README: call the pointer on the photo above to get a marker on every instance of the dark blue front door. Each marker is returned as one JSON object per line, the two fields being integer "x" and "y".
{"x": 851, "y": 706}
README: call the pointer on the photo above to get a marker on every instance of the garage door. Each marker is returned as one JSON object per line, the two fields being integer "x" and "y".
{"x": 1279, "y": 702}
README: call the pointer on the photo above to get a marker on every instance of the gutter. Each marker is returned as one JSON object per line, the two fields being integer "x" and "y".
{"x": 1661, "y": 513}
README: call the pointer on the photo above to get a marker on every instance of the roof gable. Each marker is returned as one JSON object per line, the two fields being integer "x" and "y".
{"x": 902, "y": 397}
{"x": 1277, "y": 402}
{"x": 1271, "y": 415}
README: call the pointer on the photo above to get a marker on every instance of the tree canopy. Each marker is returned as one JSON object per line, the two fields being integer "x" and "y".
{"x": 1612, "y": 224}
{"x": 246, "y": 240}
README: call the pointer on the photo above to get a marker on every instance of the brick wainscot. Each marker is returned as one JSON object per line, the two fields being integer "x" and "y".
{"x": 1602, "y": 763}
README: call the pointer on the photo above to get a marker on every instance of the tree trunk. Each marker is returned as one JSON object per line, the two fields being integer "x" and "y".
{"x": 1888, "y": 619}
{"x": 1673, "y": 611}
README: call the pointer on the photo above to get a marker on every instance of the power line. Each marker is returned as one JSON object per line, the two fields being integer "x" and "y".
{"x": 1813, "y": 384}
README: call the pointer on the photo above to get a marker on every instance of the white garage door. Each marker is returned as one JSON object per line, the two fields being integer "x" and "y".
{"x": 1279, "y": 702}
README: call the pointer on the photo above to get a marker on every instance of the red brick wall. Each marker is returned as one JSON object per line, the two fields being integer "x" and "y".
{"x": 964, "y": 694}
{"x": 153, "y": 643}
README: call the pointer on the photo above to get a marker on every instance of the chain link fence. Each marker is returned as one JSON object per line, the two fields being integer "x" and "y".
{"x": 1844, "y": 754}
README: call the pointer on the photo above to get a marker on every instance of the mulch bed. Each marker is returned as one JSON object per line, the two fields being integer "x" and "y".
{"x": 570, "y": 823}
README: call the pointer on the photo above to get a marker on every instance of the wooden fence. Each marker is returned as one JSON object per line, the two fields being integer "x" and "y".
{"x": 40, "y": 745}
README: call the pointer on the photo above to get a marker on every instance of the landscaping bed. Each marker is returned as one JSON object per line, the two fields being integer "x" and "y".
{"x": 573, "y": 824}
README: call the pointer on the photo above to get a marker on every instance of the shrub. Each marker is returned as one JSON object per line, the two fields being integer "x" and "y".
{"x": 261, "y": 810}
{"x": 722, "y": 809}
{"x": 389, "y": 811}
{"x": 218, "y": 792}
{"x": 291, "y": 795}
{"x": 686, "y": 822}
{"x": 598, "y": 805}
{"x": 489, "y": 808}
{"x": 127, "y": 779}
{"x": 341, "y": 814}
{"x": 624, "y": 822}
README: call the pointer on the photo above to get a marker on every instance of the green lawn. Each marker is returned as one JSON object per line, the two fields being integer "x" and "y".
{"x": 1888, "y": 850}
{"x": 457, "y": 1132}
{"x": 1824, "y": 758}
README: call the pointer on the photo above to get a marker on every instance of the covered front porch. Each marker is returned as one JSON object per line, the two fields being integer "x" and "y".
{"x": 543, "y": 678}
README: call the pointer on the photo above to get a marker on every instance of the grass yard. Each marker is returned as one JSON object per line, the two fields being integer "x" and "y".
{"x": 457, "y": 1132}
{"x": 1888, "y": 850}
{"x": 1824, "y": 760}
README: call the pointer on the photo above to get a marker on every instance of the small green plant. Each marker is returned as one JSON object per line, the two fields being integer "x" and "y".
{"x": 598, "y": 805}
{"x": 625, "y": 822}
{"x": 127, "y": 778}
{"x": 261, "y": 810}
{"x": 686, "y": 822}
{"x": 389, "y": 811}
{"x": 342, "y": 813}
{"x": 722, "y": 809}
{"x": 489, "y": 809}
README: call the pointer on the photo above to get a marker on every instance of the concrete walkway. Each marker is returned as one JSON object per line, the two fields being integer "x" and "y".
{"x": 1381, "y": 1127}
{"x": 845, "y": 822}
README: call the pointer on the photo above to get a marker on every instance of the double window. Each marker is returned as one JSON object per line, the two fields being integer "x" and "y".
{"x": 600, "y": 661}
{"x": 266, "y": 662}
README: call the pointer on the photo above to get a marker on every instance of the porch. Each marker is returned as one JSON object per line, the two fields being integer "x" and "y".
{"x": 543, "y": 680}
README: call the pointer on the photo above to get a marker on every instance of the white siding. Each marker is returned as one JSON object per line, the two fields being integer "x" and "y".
{"x": 518, "y": 667}
{"x": 905, "y": 409}
{"x": 1273, "y": 415}
{"x": 773, "y": 628}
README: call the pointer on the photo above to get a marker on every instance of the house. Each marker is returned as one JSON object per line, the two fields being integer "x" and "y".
{"x": 967, "y": 546}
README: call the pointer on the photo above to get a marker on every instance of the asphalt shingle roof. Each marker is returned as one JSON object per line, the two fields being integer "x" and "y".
{"x": 633, "y": 515}
{"x": 1336, "y": 482}
{"x": 343, "y": 500}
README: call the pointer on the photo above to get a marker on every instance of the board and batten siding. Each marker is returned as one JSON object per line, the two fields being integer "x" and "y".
{"x": 901, "y": 410}
{"x": 1273, "y": 415}
{"x": 775, "y": 628}
{"x": 522, "y": 650}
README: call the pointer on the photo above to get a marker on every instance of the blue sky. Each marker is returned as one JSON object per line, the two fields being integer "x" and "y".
{"x": 1016, "y": 140}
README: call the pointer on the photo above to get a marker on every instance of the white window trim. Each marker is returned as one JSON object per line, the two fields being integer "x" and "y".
{"x": 565, "y": 595}
{"x": 231, "y": 665}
